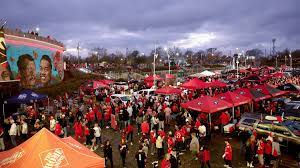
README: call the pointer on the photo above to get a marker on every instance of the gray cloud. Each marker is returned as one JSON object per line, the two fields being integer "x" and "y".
{"x": 138, "y": 24}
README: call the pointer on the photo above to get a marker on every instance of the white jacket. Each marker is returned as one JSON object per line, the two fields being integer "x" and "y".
{"x": 159, "y": 141}
{"x": 24, "y": 128}
{"x": 52, "y": 124}
{"x": 13, "y": 129}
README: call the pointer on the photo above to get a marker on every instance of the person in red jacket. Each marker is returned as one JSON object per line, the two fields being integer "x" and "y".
{"x": 129, "y": 131}
{"x": 88, "y": 140}
{"x": 152, "y": 141}
{"x": 165, "y": 163}
{"x": 145, "y": 127}
{"x": 78, "y": 130}
{"x": 205, "y": 157}
{"x": 224, "y": 119}
{"x": 227, "y": 156}
{"x": 268, "y": 152}
{"x": 179, "y": 139}
{"x": 260, "y": 151}
{"x": 58, "y": 129}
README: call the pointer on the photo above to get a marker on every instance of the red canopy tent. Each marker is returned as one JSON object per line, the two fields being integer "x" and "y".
{"x": 259, "y": 93}
{"x": 217, "y": 84}
{"x": 107, "y": 82}
{"x": 234, "y": 98}
{"x": 99, "y": 84}
{"x": 194, "y": 84}
{"x": 273, "y": 91}
{"x": 152, "y": 77}
{"x": 168, "y": 90}
{"x": 207, "y": 104}
{"x": 45, "y": 149}
{"x": 244, "y": 92}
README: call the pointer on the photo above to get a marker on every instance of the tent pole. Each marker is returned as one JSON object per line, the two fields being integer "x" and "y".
{"x": 209, "y": 118}
{"x": 3, "y": 112}
{"x": 232, "y": 113}
{"x": 48, "y": 106}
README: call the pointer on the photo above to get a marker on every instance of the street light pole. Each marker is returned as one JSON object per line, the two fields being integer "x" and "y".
{"x": 154, "y": 76}
{"x": 237, "y": 67}
{"x": 78, "y": 53}
{"x": 291, "y": 60}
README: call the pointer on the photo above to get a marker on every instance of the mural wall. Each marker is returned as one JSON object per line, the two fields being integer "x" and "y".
{"x": 33, "y": 64}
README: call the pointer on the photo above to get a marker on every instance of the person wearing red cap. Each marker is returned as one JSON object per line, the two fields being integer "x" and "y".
{"x": 227, "y": 156}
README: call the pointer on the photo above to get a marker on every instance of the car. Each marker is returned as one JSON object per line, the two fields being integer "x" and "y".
{"x": 248, "y": 120}
{"x": 287, "y": 132}
{"x": 116, "y": 98}
{"x": 120, "y": 85}
{"x": 145, "y": 92}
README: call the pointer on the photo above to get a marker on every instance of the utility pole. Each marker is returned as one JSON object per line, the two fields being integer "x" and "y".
{"x": 78, "y": 53}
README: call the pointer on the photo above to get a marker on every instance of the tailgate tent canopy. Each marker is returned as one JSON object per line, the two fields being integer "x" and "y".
{"x": 168, "y": 90}
{"x": 194, "y": 84}
{"x": 26, "y": 96}
{"x": 234, "y": 98}
{"x": 207, "y": 104}
{"x": 45, "y": 149}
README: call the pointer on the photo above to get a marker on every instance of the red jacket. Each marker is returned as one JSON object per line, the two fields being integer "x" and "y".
{"x": 145, "y": 127}
{"x": 268, "y": 148}
{"x": 86, "y": 131}
{"x": 170, "y": 142}
{"x": 129, "y": 128}
{"x": 260, "y": 148}
{"x": 57, "y": 129}
{"x": 152, "y": 137}
{"x": 165, "y": 164}
{"x": 224, "y": 119}
{"x": 228, "y": 152}
{"x": 78, "y": 128}
{"x": 206, "y": 156}
{"x": 178, "y": 136}
{"x": 162, "y": 134}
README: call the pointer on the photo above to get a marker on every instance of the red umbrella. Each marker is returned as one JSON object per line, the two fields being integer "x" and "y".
{"x": 234, "y": 98}
{"x": 277, "y": 74}
{"x": 168, "y": 90}
{"x": 98, "y": 84}
{"x": 207, "y": 104}
{"x": 195, "y": 84}
{"x": 217, "y": 84}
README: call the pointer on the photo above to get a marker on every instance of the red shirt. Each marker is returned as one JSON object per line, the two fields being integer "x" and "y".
{"x": 224, "y": 119}
{"x": 268, "y": 148}
{"x": 57, "y": 129}
{"x": 153, "y": 137}
{"x": 197, "y": 124}
{"x": 162, "y": 133}
{"x": 183, "y": 131}
{"x": 86, "y": 130}
{"x": 228, "y": 152}
{"x": 261, "y": 148}
{"x": 165, "y": 164}
{"x": 129, "y": 128}
{"x": 170, "y": 142}
{"x": 206, "y": 156}
{"x": 178, "y": 136}
{"x": 145, "y": 127}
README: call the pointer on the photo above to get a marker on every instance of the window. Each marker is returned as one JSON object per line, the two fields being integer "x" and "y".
{"x": 248, "y": 121}
{"x": 281, "y": 130}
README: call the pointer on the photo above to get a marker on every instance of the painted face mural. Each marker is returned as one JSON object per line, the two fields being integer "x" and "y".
{"x": 34, "y": 63}
{"x": 45, "y": 70}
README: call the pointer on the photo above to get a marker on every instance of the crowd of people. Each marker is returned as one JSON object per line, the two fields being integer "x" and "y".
{"x": 161, "y": 126}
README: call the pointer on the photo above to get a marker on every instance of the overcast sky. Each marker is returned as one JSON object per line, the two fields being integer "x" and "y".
{"x": 138, "y": 24}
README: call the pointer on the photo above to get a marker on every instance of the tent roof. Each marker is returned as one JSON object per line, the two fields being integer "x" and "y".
{"x": 234, "y": 98}
{"x": 26, "y": 96}
{"x": 273, "y": 91}
{"x": 260, "y": 92}
{"x": 207, "y": 104}
{"x": 168, "y": 90}
{"x": 99, "y": 84}
{"x": 207, "y": 73}
{"x": 244, "y": 92}
{"x": 152, "y": 77}
{"x": 107, "y": 82}
{"x": 194, "y": 84}
{"x": 217, "y": 84}
{"x": 289, "y": 87}
{"x": 45, "y": 149}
